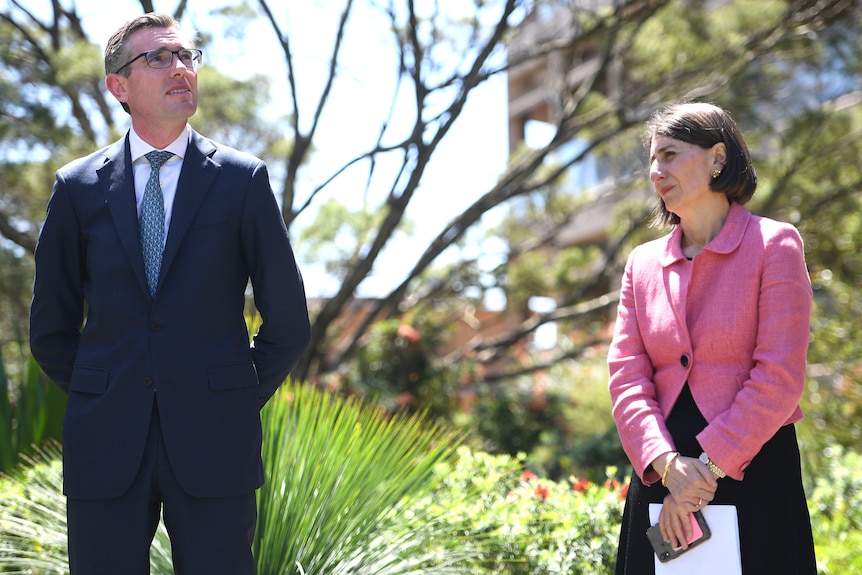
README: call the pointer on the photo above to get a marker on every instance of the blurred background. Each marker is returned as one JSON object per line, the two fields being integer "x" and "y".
{"x": 462, "y": 182}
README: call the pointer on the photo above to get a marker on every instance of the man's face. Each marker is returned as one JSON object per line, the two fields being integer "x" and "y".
{"x": 157, "y": 98}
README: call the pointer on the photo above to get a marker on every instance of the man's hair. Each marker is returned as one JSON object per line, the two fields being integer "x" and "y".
{"x": 705, "y": 125}
{"x": 117, "y": 50}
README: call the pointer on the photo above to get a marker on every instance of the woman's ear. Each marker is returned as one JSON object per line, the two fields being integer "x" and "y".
{"x": 719, "y": 154}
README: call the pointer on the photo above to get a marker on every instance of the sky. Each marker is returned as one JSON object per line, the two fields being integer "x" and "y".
{"x": 466, "y": 165}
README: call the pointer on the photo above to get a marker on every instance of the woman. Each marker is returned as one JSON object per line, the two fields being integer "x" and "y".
{"x": 707, "y": 362}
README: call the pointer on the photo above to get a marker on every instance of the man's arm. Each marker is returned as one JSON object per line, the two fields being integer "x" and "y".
{"x": 279, "y": 293}
{"x": 57, "y": 310}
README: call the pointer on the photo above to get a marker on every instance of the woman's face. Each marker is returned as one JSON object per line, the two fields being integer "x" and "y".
{"x": 681, "y": 172}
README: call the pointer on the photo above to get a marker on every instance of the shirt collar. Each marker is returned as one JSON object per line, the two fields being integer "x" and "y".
{"x": 139, "y": 148}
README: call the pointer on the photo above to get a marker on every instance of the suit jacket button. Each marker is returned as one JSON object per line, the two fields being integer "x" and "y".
{"x": 148, "y": 382}
{"x": 683, "y": 360}
{"x": 156, "y": 326}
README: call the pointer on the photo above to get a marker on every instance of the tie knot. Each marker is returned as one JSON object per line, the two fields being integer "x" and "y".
{"x": 157, "y": 158}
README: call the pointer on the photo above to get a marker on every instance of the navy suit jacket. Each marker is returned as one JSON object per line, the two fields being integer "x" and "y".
{"x": 98, "y": 333}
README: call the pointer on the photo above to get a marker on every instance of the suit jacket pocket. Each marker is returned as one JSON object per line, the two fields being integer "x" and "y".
{"x": 232, "y": 376}
{"x": 89, "y": 380}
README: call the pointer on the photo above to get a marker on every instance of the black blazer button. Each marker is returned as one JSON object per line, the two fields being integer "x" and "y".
{"x": 683, "y": 360}
{"x": 148, "y": 382}
{"x": 156, "y": 326}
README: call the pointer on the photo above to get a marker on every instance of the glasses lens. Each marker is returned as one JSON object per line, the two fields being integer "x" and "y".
{"x": 190, "y": 58}
{"x": 163, "y": 58}
{"x": 159, "y": 58}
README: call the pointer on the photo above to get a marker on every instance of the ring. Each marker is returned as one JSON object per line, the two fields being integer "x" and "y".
{"x": 699, "y": 502}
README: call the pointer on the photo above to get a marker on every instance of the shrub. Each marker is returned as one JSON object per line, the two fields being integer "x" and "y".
{"x": 527, "y": 525}
{"x": 835, "y": 505}
{"x": 31, "y": 408}
{"x": 344, "y": 499}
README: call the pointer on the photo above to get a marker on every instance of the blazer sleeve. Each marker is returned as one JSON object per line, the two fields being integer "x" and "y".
{"x": 770, "y": 395}
{"x": 639, "y": 419}
{"x": 279, "y": 294}
{"x": 57, "y": 315}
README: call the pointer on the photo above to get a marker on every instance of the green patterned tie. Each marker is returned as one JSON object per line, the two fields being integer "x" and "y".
{"x": 152, "y": 220}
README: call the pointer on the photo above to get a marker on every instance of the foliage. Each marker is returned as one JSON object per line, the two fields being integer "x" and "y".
{"x": 33, "y": 518}
{"x": 527, "y": 525}
{"x": 338, "y": 468}
{"x": 559, "y": 417}
{"x": 835, "y": 504}
{"x": 819, "y": 188}
{"x": 787, "y": 69}
{"x": 485, "y": 513}
{"x": 31, "y": 408}
{"x": 395, "y": 366}
{"x": 33, "y": 521}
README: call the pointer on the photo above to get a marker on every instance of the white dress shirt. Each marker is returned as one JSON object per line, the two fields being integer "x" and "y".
{"x": 169, "y": 175}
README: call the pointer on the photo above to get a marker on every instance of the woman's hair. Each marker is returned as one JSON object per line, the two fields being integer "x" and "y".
{"x": 705, "y": 125}
{"x": 117, "y": 50}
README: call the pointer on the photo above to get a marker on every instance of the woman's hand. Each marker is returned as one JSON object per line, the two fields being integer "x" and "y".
{"x": 689, "y": 481}
{"x": 675, "y": 523}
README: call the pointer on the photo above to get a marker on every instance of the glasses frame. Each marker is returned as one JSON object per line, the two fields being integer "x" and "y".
{"x": 197, "y": 58}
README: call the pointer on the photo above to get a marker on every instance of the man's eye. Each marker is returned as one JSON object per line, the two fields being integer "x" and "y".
{"x": 159, "y": 56}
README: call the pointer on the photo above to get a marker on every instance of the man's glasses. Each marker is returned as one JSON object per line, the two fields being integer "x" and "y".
{"x": 163, "y": 58}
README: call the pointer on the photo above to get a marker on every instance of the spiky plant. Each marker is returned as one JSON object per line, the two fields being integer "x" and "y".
{"x": 342, "y": 474}
{"x": 33, "y": 521}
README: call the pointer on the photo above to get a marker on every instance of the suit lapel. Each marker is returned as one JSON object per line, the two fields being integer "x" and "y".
{"x": 117, "y": 182}
{"x": 196, "y": 178}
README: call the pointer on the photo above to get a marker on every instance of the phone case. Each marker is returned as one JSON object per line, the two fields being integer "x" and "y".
{"x": 663, "y": 550}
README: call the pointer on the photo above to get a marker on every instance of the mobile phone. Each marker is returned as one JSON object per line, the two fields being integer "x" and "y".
{"x": 699, "y": 533}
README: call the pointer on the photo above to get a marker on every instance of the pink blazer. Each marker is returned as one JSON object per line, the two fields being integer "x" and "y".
{"x": 733, "y": 323}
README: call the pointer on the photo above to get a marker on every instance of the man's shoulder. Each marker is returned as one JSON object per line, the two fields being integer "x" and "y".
{"x": 90, "y": 163}
{"x": 224, "y": 154}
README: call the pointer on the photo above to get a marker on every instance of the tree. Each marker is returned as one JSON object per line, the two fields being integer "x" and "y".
{"x": 788, "y": 69}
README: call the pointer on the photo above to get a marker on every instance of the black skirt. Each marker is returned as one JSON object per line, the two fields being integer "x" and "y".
{"x": 774, "y": 526}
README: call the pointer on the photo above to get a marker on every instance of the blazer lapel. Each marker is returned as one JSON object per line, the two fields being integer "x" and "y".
{"x": 117, "y": 181}
{"x": 196, "y": 178}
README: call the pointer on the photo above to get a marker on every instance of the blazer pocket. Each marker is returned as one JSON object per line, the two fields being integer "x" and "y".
{"x": 232, "y": 376}
{"x": 89, "y": 380}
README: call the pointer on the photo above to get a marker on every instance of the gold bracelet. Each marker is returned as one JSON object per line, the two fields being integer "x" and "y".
{"x": 667, "y": 467}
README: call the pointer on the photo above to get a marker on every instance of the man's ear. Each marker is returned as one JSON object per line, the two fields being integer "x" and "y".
{"x": 116, "y": 84}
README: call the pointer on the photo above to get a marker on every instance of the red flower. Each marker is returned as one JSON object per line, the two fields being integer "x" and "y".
{"x": 409, "y": 333}
{"x": 527, "y": 476}
{"x": 581, "y": 485}
{"x": 624, "y": 492}
{"x": 542, "y": 491}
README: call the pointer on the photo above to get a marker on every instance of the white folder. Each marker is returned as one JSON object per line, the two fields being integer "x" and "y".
{"x": 717, "y": 556}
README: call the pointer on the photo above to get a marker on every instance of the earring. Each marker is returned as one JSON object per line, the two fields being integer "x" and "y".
{"x": 715, "y": 173}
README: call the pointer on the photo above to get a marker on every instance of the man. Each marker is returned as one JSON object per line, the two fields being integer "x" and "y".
{"x": 138, "y": 315}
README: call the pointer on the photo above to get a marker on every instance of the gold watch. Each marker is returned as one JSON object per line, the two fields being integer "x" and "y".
{"x": 704, "y": 458}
